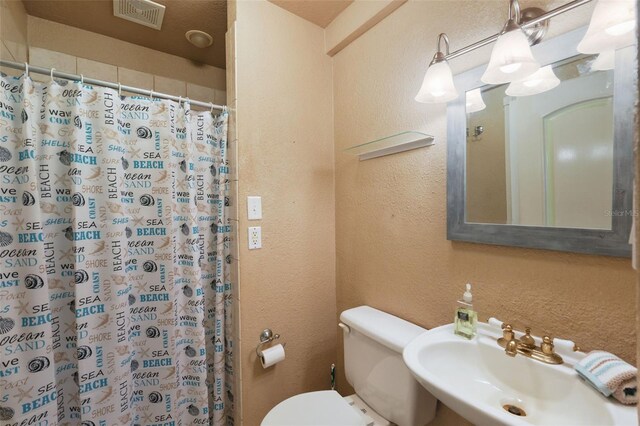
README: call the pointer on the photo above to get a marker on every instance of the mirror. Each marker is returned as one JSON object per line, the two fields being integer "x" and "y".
{"x": 546, "y": 162}
{"x": 544, "y": 159}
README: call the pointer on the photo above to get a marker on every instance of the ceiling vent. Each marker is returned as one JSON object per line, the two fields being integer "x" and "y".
{"x": 143, "y": 12}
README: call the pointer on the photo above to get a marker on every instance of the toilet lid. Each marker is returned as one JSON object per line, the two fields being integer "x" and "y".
{"x": 323, "y": 408}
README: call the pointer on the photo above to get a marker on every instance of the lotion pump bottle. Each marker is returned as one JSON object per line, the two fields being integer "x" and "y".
{"x": 466, "y": 318}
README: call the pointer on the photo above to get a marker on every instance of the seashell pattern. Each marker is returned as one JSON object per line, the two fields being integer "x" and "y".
{"x": 33, "y": 282}
{"x": 5, "y": 154}
{"x": 132, "y": 299}
{"x": 155, "y": 397}
{"x": 128, "y": 232}
{"x": 125, "y": 163}
{"x": 84, "y": 352}
{"x": 147, "y": 200}
{"x": 187, "y": 291}
{"x": 6, "y": 325}
{"x": 77, "y": 122}
{"x": 68, "y": 233}
{"x": 5, "y": 239}
{"x": 149, "y": 266}
{"x": 6, "y": 413}
{"x": 213, "y": 169}
{"x": 65, "y": 157}
{"x": 38, "y": 364}
{"x": 78, "y": 199}
{"x": 190, "y": 351}
{"x": 28, "y": 199}
{"x": 81, "y": 276}
{"x": 24, "y": 116}
{"x": 134, "y": 365}
{"x": 184, "y": 228}
{"x": 144, "y": 132}
{"x": 152, "y": 332}
{"x": 193, "y": 410}
{"x": 87, "y": 423}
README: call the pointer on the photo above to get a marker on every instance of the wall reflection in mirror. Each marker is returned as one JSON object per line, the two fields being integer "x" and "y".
{"x": 539, "y": 152}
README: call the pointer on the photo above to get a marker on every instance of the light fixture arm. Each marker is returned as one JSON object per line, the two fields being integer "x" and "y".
{"x": 514, "y": 11}
{"x": 440, "y": 56}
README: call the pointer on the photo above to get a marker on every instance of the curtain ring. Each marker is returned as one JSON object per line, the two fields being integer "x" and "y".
{"x": 51, "y": 74}
{"x": 212, "y": 105}
{"x": 119, "y": 89}
{"x": 180, "y": 101}
{"x": 26, "y": 69}
{"x": 151, "y": 94}
{"x": 81, "y": 79}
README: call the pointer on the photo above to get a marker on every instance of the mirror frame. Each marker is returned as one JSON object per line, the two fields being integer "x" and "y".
{"x": 614, "y": 242}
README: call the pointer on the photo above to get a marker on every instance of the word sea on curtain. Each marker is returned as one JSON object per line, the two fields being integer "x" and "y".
{"x": 115, "y": 292}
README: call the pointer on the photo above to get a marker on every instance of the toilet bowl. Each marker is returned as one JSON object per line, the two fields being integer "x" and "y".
{"x": 386, "y": 392}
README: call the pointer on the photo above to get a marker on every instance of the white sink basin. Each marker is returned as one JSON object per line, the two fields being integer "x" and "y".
{"x": 476, "y": 379}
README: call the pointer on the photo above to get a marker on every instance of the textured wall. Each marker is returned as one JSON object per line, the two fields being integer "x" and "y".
{"x": 13, "y": 32}
{"x": 285, "y": 143}
{"x": 392, "y": 251}
{"x": 97, "y": 47}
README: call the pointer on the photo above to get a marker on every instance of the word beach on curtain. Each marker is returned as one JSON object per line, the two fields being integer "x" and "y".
{"x": 115, "y": 294}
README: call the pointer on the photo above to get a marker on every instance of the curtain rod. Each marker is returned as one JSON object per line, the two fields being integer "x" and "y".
{"x": 555, "y": 12}
{"x": 111, "y": 85}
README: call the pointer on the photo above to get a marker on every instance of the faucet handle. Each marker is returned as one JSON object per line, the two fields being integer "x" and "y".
{"x": 507, "y": 332}
{"x": 547, "y": 345}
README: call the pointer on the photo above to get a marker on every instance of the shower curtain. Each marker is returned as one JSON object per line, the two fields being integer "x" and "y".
{"x": 115, "y": 292}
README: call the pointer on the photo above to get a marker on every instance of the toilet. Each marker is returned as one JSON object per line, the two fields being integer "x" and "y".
{"x": 386, "y": 392}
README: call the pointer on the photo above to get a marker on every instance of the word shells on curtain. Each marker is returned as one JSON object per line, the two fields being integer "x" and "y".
{"x": 115, "y": 297}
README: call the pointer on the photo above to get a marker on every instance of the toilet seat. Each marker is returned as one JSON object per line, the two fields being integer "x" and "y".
{"x": 322, "y": 408}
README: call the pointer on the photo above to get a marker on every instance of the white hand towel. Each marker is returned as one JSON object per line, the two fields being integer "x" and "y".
{"x": 610, "y": 375}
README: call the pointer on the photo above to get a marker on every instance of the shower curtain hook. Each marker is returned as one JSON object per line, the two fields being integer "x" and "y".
{"x": 180, "y": 101}
{"x": 81, "y": 79}
{"x": 26, "y": 69}
{"x": 212, "y": 105}
{"x": 151, "y": 94}
{"x": 51, "y": 74}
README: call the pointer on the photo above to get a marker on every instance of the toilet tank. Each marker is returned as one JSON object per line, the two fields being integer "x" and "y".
{"x": 374, "y": 366}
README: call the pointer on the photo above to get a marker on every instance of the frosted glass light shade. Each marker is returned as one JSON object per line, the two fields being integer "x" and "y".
{"x": 437, "y": 85}
{"x": 511, "y": 59}
{"x": 605, "y": 61}
{"x": 474, "y": 101}
{"x": 612, "y": 26}
{"x": 541, "y": 81}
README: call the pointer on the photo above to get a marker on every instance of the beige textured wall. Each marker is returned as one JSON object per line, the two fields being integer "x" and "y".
{"x": 13, "y": 32}
{"x": 392, "y": 251}
{"x": 285, "y": 143}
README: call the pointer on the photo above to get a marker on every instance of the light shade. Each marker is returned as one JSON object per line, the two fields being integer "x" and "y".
{"x": 474, "y": 101}
{"x": 541, "y": 81}
{"x": 437, "y": 85}
{"x": 605, "y": 61}
{"x": 612, "y": 26}
{"x": 511, "y": 59}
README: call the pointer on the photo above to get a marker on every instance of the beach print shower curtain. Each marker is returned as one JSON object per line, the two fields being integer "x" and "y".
{"x": 115, "y": 297}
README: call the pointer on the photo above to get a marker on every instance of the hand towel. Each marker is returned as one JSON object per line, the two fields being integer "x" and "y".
{"x": 610, "y": 375}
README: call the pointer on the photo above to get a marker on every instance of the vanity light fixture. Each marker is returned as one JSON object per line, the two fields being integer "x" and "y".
{"x": 605, "y": 61}
{"x": 511, "y": 57}
{"x": 474, "y": 101}
{"x": 612, "y": 26}
{"x": 541, "y": 81}
{"x": 437, "y": 85}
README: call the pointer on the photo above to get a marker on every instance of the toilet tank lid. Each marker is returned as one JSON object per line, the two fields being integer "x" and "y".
{"x": 386, "y": 329}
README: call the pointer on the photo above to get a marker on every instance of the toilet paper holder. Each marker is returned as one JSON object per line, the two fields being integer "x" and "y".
{"x": 265, "y": 337}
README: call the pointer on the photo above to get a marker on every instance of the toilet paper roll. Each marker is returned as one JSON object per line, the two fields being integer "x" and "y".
{"x": 272, "y": 355}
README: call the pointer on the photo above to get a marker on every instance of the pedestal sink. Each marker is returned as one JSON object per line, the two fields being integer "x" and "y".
{"x": 480, "y": 382}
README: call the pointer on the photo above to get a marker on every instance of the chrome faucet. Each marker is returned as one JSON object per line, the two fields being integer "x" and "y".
{"x": 526, "y": 346}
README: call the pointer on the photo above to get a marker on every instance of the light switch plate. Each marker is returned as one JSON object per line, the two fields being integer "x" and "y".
{"x": 255, "y": 237}
{"x": 254, "y": 207}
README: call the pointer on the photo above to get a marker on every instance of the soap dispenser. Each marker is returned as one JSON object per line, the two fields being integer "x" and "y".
{"x": 466, "y": 318}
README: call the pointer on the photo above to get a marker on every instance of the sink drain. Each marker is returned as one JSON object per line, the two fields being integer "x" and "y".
{"x": 516, "y": 411}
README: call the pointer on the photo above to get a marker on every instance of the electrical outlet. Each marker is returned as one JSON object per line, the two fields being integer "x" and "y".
{"x": 255, "y": 237}
{"x": 254, "y": 208}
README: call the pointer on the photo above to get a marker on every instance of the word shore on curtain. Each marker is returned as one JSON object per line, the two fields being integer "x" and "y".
{"x": 115, "y": 291}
